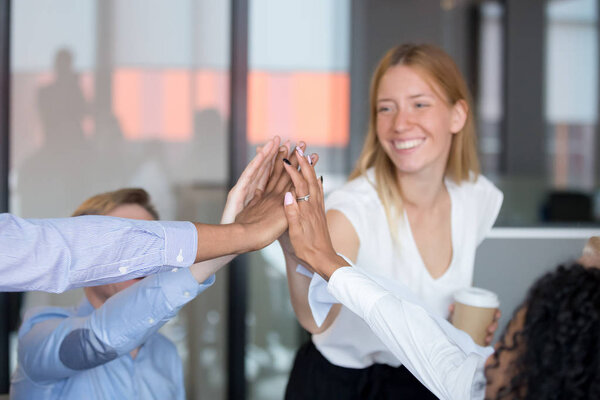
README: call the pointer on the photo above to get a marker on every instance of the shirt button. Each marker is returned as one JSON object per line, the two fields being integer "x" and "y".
{"x": 123, "y": 270}
{"x": 180, "y": 256}
{"x": 150, "y": 320}
{"x": 174, "y": 270}
{"x": 186, "y": 293}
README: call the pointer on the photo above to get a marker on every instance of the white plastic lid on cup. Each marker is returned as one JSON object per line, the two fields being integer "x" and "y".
{"x": 477, "y": 297}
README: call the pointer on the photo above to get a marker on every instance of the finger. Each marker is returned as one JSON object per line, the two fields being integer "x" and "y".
{"x": 308, "y": 172}
{"x": 285, "y": 183}
{"x": 262, "y": 177}
{"x": 274, "y": 153}
{"x": 241, "y": 193}
{"x": 300, "y": 184}
{"x": 259, "y": 162}
{"x": 313, "y": 159}
{"x": 268, "y": 150}
{"x": 292, "y": 213}
{"x": 247, "y": 176}
{"x": 278, "y": 169}
{"x": 299, "y": 151}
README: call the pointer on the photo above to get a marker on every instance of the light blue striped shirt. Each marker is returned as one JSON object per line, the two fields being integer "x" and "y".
{"x": 55, "y": 255}
{"x": 83, "y": 353}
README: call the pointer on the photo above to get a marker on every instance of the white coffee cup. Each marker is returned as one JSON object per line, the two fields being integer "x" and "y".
{"x": 474, "y": 311}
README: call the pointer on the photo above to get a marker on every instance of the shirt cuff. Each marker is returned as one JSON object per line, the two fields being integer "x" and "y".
{"x": 181, "y": 243}
{"x": 320, "y": 298}
{"x": 343, "y": 285}
{"x": 333, "y": 279}
{"x": 180, "y": 286}
{"x": 301, "y": 269}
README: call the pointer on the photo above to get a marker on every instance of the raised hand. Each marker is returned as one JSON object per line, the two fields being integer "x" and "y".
{"x": 305, "y": 212}
{"x": 255, "y": 177}
{"x": 264, "y": 216}
{"x": 286, "y": 181}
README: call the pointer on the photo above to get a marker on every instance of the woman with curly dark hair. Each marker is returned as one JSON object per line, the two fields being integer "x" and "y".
{"x": 550, "y": 350}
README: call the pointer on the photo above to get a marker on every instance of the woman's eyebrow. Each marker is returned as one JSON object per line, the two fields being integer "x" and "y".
{"x": 414, "y": 96}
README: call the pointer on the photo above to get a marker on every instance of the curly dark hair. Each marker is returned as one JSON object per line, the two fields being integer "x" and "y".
{"x": 557, "y": 349}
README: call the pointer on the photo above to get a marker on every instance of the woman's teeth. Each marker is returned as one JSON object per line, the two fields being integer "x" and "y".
{"x": 407, "y": 144}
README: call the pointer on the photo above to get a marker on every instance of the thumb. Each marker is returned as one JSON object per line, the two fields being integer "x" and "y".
{"x": 291, "y": 210}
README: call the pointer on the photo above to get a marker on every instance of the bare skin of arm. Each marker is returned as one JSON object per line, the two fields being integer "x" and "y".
{"x": 345, "y": 241}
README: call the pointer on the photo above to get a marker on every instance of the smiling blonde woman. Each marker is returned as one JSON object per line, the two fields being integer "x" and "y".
{"x": 416, "y": 204}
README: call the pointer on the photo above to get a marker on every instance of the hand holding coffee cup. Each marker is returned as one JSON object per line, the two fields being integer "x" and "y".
{"x": 474, "y": 312}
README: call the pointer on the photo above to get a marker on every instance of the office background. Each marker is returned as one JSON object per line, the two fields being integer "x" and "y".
{"x": 174, "y": 96}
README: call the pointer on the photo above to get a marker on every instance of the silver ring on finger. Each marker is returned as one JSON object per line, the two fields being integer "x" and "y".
{"x": 303, "y": 198}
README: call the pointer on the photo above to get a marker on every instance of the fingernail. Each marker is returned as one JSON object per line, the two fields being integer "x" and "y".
{"x": 309, "y": 159}
{"x": 288, "y": 199}
{"x": 282, "y": 149}
{"x": 321, "y": 178}
{"x": 299, "y": 150}
{"x": 285, "y": 160}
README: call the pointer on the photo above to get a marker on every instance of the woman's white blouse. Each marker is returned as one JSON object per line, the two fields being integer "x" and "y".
{"x": 349, "y": 342}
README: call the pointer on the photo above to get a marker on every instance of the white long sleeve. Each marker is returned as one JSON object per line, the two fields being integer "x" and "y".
{"x": 440, "y": 356}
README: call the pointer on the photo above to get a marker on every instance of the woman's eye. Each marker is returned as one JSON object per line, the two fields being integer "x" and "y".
{"x": 421, "y": 105}
{"x": 383, "y": 109}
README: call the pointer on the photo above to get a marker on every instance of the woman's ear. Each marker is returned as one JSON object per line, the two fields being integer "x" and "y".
{"x": 458, "y": 119}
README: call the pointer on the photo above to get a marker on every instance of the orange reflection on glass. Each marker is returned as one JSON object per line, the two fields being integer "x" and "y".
{"x": 311, "y": 106}
{"x": 177, "y": 107}
{"x": 212, "y": 90}
{"x": 126, "y": 92}
{"x": 154, "y": 104}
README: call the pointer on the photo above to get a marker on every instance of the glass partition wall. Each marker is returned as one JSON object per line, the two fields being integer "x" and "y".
{"x": 537, "y": 110}
{"x": 298, "y": 88}
{"x": 111, "y": 94}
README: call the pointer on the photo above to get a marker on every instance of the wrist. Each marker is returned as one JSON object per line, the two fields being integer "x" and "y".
{"x": 240, "y": 238}
{"x": 327, "y": 263}
{"x": 219, "y": 240}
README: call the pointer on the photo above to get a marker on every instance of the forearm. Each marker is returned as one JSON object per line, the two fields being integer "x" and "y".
{"x": 298, "y": 285}
{"x": 215, "y": 241}
{"x": 56, "y": 349}
{"x": 88, "y": 250}
{"x": 444, "y": 359}
{"x": 129, "y": 317}
{"x": 203, "y": 270}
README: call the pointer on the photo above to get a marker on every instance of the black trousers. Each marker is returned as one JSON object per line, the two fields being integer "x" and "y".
{"x": 315, "y": 378}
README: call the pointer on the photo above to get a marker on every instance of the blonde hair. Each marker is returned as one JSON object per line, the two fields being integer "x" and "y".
{"x": 102, "y": 204}
{"x": 463, "y": 163}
